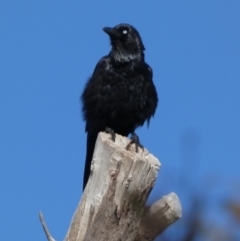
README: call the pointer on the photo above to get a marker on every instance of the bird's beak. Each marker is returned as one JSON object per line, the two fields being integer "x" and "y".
{"x": 111, "y": 32}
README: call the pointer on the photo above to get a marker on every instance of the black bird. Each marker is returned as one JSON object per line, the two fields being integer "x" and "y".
{"x": 120, "y": 96}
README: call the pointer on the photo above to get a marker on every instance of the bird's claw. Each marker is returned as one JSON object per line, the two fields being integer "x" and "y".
{"x": 135, "y": 140}
{"x": 111, "y": 132}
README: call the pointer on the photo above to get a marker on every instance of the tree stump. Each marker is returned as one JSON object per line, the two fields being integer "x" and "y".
{"x": 113, "y": 204}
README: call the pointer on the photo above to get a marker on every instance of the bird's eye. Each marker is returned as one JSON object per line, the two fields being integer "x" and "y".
{"x": 124, "y": 31}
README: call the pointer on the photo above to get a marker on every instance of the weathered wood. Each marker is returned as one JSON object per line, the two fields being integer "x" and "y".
{"x": 47, "y": 233}
{"x": 112, "y": 207}
{"x": 113, "y": 201}
{"x": 158, "y": 217}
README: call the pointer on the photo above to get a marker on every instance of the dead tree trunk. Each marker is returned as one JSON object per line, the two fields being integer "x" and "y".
{"x": 112, "y": 207}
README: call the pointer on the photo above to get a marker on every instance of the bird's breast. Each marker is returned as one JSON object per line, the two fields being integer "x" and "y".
{"x": 126, "y": 94}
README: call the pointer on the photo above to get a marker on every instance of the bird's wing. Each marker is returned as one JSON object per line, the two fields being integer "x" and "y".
{"x": 95, "y": 96}
{"x": 152, "y": 100}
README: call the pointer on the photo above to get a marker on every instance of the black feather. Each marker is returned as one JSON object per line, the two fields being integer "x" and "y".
{"x": 120, "y": 94}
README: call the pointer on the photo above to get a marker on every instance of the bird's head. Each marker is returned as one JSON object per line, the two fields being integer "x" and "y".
{"x": 126, "y": 42}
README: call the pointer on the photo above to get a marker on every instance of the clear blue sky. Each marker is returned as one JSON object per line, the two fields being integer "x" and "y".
{"x": 48, "y": 49}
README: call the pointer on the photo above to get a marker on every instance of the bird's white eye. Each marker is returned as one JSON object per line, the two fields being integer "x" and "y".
{"x": 124, "y": 31}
